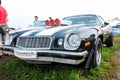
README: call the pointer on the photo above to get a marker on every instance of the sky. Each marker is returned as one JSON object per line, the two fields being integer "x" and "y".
{"x": 21, "y": 12}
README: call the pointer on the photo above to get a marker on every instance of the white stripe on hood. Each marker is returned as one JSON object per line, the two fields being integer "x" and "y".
{"x": 51, "y": 31}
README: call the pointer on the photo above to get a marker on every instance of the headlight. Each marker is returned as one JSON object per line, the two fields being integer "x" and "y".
{"x": 74, "y": 40}
{"x": 8, "y": 39}
{"x": 60, "y": 41}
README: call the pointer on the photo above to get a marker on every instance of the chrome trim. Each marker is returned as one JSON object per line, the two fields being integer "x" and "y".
{"x": 84, "y": 53}
{"x": 51, "y": 59}
{"x": 4, "y": 47}
{"x": 67, "y": 45}
{"x": 7, "y": 49}
{"x": 8, "y": 52}
{"x": 54, "y": 59}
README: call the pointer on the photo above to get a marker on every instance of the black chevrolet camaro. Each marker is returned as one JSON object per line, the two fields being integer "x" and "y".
{"x": 78, "y": 41}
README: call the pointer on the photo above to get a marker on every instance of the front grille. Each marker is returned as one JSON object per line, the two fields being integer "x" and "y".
{"x": 34, "y": 42}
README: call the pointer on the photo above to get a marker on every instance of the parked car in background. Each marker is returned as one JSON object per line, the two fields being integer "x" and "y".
{"x": 79, "y": 41}
{"x": 116, "y": 29}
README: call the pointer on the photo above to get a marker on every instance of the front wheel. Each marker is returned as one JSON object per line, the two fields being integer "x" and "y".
{"x": 97, "y": 56}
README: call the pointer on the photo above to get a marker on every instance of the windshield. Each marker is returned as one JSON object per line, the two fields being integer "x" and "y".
{"x": 39, "y": 24}
{"x": 90, "y": 20}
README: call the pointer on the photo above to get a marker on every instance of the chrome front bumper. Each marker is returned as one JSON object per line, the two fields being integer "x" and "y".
{"x": 7, "y": 49}
{"x": 66, "y": 57}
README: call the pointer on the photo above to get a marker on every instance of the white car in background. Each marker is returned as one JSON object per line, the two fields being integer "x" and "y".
{"x": 116, "y": 29}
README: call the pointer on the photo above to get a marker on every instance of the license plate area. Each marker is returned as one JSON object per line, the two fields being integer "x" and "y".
{"x": 25, "y": 54}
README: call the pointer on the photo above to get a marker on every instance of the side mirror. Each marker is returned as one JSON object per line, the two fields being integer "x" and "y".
{"x": 12, "y": 28}
{"x": 106, "y": 23}
{"x": 114, "y": 26}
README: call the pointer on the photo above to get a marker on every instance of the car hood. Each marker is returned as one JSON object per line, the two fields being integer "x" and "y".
{"x": 56, "y": 30}
{"x": 24, "y": 29}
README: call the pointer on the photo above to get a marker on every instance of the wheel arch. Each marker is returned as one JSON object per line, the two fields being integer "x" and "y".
{"x": 1, "y": 31}
{"x": 101, "y": 37}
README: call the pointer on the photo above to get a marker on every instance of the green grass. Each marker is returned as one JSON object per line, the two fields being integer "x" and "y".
{"x": 19, "y": 70}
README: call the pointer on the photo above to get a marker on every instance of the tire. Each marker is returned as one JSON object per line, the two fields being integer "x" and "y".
{"x": 97, "y": 55}
{"x": 110, "y": 41}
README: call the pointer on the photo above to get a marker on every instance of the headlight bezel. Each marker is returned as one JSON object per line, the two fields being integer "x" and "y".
{"x": 68, "y": 46}
{"x": 73, "y": 40}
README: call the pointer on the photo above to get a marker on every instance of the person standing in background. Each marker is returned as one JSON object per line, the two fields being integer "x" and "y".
{"x": 36, "y": 19}
{"x": 3, "y": 25}
{"x": 51, "y": 21}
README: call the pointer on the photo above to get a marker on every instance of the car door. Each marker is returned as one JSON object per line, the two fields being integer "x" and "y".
{"x": 106, "y": 28}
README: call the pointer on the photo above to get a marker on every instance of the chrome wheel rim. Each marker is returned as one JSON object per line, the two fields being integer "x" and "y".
{"x": 98, "y": 54}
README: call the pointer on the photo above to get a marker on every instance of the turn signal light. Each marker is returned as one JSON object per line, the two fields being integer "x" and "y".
{"x": 87, "y": 43}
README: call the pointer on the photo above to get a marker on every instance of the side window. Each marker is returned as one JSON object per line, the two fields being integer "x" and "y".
{"x": 101, "y": 20}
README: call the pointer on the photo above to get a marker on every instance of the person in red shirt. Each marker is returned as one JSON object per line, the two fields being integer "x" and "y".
{"x": 3, "y": 15}
{"x": 3, "y": 25}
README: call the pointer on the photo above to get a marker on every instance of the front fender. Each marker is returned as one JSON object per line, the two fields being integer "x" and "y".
{"x": 89, "y": 34}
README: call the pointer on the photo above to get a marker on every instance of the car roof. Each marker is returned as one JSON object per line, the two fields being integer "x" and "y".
{"x": 80, "y": 15}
